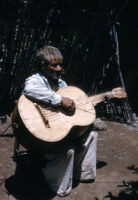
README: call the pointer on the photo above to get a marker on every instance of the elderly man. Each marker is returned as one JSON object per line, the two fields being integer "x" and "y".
{"x": 73, "y": 161}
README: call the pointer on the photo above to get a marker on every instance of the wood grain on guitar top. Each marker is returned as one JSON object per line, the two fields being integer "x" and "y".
{"x": 54, "y": 125}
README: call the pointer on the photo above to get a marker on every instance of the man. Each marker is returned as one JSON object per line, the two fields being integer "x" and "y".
{"x": 76, "y": 160}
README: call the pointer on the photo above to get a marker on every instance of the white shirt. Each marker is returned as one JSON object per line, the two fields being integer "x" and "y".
{"x": 38, "y": 87}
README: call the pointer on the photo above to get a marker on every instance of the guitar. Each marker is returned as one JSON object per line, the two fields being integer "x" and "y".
{"x": 52, "y": 124}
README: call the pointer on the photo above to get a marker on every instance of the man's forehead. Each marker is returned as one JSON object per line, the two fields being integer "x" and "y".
{"x": 55, "y": 60}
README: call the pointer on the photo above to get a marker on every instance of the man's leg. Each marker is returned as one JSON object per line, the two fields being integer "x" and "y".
{"x": 58, "y": 172}
{"x": 85, "y": 158}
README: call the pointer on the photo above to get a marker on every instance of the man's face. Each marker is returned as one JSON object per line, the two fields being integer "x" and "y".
{"x": 53, "y": 70}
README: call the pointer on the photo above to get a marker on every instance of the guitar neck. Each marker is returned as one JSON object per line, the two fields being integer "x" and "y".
{"x": 97, "y": 98}
{"x": 115, "y": 93}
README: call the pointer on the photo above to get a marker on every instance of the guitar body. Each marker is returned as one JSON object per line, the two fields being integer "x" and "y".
{"x": 33, "y": 133}
{"x": 42, "y": 129}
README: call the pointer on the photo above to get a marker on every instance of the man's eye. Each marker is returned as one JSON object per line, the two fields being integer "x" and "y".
{"x": 56, "y": 64}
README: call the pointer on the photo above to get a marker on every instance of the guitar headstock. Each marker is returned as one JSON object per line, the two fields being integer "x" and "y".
{"x": 119, "y": 93}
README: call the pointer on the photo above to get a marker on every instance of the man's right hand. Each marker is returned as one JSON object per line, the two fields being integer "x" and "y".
{"x": 68, "y": 104}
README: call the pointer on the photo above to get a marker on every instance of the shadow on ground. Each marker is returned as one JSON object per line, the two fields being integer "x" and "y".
{"x": 26, "y": 184}
{"x": 100, "y": 164}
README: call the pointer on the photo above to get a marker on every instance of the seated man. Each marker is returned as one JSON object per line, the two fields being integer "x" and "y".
{"x": 73, "y": 161}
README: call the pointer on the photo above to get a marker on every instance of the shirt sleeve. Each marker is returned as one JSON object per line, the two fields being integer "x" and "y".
{"x": 36, "y": 89}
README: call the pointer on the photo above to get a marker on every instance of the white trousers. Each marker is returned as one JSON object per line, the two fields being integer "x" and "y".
{"x": 77, "y": 162}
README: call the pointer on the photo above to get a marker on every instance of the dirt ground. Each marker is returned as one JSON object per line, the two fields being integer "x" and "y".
{"x": 117, "y": 169}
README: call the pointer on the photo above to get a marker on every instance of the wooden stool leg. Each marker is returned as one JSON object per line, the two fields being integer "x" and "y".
{"x": 16, "y": 149}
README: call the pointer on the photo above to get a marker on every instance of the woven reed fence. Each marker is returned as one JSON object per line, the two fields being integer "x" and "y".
{"x": 84, "y": 31}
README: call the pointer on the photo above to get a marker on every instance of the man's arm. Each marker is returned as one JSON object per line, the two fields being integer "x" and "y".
{"x": 36, "y": 89}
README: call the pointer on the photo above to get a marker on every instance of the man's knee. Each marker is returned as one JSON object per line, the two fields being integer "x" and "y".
{"x": 94, "y": 134}
{"x": 70, "y": 153}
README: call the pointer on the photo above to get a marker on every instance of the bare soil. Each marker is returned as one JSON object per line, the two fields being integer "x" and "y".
{"x": 117, "y": 169}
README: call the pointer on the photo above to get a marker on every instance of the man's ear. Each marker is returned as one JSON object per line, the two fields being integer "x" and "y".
{"x": 42, "y": 62}
{"x": 45, "y": 63}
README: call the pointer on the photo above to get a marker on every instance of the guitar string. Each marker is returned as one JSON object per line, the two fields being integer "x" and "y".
{"x": 49, "y": 108}
{"x": 78, "y": 103}
{"x": 50, "y": 113}
{"x": 53, "y": 117}
{"x": 53, "y": 114}
{"x": 61, "y": 114}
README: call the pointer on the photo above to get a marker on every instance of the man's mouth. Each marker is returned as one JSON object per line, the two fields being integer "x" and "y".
{"x": 56, "y": 75}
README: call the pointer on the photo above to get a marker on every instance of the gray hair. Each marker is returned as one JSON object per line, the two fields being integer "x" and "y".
{"x": 48, "y": 52}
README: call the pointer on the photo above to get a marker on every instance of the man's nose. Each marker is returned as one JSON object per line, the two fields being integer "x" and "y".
{"x": 58, "y": 68}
